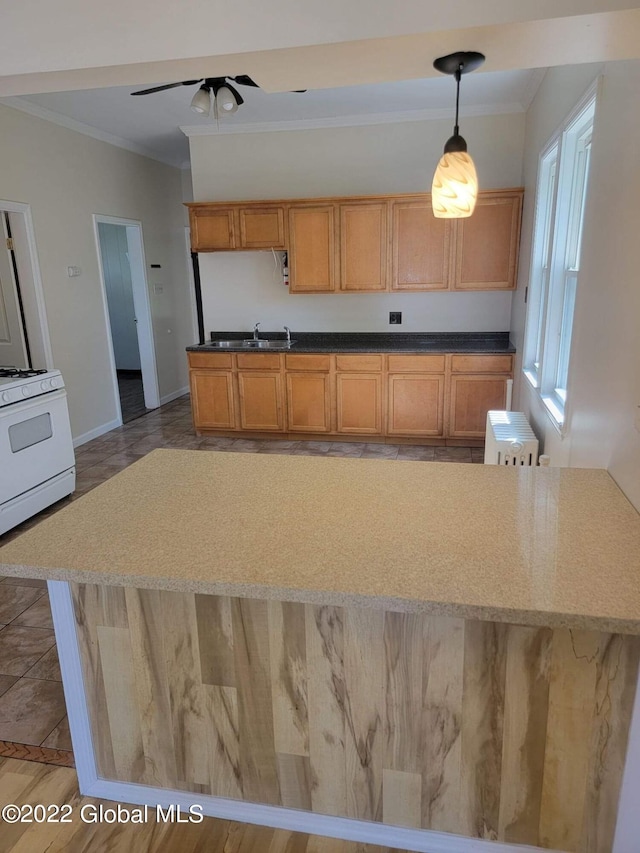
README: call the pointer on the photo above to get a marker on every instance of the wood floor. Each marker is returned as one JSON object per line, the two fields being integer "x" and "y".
{"x": 26, "y": 782}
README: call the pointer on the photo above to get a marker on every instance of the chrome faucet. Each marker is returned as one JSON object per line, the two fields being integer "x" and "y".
{"x": 288, "y": 331}
{"x": 255, "y": 332}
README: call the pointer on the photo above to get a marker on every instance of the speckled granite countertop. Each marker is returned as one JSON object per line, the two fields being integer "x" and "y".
{"x": 537, "y": 546}
{"x": 472, "y": 342}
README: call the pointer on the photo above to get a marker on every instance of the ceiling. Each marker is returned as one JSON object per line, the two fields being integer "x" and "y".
{"x": 151, "y": 124}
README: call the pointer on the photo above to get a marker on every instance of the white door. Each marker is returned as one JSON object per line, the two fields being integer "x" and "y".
{"x": 12, "y": 349}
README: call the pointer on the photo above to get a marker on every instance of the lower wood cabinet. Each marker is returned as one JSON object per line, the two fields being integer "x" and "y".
{"x": 212, "y": 399}
{"x": 359, "y": 403}
{"x": 308, "y": 402}
{"x": 433, "y": 396}
{"x": 415, "y": 404}
{"x": 260, "y": 400}
{"x": 472, "y": 397}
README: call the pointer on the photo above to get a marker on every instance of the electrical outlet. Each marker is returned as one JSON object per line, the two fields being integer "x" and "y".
{"x": 395, "y": 318}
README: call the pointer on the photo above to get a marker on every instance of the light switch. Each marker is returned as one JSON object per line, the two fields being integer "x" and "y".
{"x": 73, "y": 272}
{"x": 158, "y": 288}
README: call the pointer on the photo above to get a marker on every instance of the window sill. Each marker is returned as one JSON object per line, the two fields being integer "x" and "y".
{"x": 555, "y": 414}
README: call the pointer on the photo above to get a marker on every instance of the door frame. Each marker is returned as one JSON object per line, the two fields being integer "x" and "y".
{"x": 26, "y": 253}
{"x": 142, "y": 307}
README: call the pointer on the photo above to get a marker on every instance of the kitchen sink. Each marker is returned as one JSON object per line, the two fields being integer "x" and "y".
{"x": 251, "y": 344}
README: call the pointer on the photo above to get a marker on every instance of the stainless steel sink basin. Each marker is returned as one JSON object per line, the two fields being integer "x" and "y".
{"x": 251, "y": 344}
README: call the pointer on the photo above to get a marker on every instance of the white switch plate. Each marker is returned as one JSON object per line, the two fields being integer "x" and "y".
{"x": 73, "y": 272}
{"x": 158, "y": 288}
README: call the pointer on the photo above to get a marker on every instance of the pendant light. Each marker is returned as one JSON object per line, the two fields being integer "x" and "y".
{"x": 201, "y": 101}
{"x": 225, "y": 101}
{"x": 455, "y": 183}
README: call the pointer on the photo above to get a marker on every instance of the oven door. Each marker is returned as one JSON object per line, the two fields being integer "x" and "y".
{"x": 35, "y": 443}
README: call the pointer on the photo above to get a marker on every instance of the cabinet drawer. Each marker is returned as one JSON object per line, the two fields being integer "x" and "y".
{"x": 258, "y": 361}
{"x": 214, "y": 360}
{"x": 481, "y": 363}
{"x": 308, "y": 362}
{"x": 358, "y": 362}
{"x": 416, "y": 363}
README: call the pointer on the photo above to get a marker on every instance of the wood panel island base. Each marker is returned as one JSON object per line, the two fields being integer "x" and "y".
{"x": 354, "y": 647}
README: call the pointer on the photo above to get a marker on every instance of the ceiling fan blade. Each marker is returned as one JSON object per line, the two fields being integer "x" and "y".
{"x": 298, "y": 91}
{"x": 167, "y": 86}
{"x": 244, "y": 80}
{"x": 236, "y": 94}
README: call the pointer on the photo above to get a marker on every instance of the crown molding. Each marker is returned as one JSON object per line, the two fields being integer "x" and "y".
{"x": 87, "y": 130}
{"x": 226, "y": 125}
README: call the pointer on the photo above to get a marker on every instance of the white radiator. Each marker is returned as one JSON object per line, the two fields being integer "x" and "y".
{"x": 509, "y": 440}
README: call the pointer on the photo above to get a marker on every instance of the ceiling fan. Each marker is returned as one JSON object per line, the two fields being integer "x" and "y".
{"x": 225, "y": 96}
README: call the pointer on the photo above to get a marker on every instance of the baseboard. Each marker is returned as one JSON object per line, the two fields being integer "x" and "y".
{"x": 364, "y": 831}
{"x": 96, "y": 433}
{"x": 174, "y": 395}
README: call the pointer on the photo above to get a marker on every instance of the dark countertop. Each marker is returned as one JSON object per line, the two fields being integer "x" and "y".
{"x": 412, "y": 342}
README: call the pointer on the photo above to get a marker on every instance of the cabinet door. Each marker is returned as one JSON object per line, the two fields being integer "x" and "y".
{"x": 312, "y": 249}
{"x": 486, "y": 244}
{"x": 308, "y": 402}
{"x": 472, "y": 397}
{"x": 262, "y": 227}
{"x": 363, "y": 246}
{"x": 260, "y": 400}
{"x": 212, "y": 399}
{"x": 416, "y": 404}
{"x": 359, "y": 403}
{"x": 212, "y": 229}
{"x": 421, "y": 248}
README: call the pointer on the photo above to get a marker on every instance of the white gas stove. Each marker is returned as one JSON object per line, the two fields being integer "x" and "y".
{"x": 37, "y": 462}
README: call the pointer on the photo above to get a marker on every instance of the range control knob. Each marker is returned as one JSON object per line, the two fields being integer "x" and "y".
{"x": 44, "y": 385}
{"x": 6, "y": 397}
{"x": 53, "y": 383}
{"x": 26, "y": 391}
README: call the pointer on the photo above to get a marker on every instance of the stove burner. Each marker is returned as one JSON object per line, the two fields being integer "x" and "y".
{"x": 20, "y": 372}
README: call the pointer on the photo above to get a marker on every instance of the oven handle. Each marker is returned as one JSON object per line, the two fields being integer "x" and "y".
{"x": 32, "y": 402}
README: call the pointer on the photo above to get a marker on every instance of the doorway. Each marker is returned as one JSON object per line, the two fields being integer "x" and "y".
{"x": 128, "y": 315}
{"x": 24, "y": 331}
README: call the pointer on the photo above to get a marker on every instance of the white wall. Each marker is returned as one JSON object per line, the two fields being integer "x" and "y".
{"x": 604, "y": 375}
{"x": 66, "y": 177}
{"x": 242, "y": 288}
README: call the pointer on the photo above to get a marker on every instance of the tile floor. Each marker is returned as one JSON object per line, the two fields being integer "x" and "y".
{"x": 32, "y": 709}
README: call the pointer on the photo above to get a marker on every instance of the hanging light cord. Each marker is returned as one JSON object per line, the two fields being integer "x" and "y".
{"x": 458, "y": 75}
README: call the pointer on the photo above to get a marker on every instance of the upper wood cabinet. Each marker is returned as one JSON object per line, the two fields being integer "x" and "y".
{"x": 372, "y": 244}
{"x": 312, "y": 248}
{"x": 421, "y": 247}
{"x": 212, "y": 229}
{"x": 364, "y": 246}
{"x": 262, "y": 227}
{"x": 486, "y": 244}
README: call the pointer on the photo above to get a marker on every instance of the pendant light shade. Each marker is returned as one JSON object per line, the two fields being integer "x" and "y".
{"x": 225, "y": 101}
{"x": 201, "y": 101}
{"x": 455, "y": 184}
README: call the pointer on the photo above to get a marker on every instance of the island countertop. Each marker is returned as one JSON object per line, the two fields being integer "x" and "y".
{"x": 556, "y": 547}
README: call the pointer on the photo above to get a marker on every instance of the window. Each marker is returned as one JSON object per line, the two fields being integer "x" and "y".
{"x": 555, "y": 265}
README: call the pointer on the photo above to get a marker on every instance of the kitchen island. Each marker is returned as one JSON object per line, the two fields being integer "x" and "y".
{"x": 352, "y": 646}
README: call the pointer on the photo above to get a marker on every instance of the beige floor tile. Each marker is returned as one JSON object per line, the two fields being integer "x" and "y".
{"x": 36, "y": 616}
{"x": 452, "y": 454}
{"x": 416, "y": 452}
{"x": 34, "y": 582}
{"x": 47, "y": 668}
{"x": 278, "y": 447}
{"x": 7, "y": 681}
{"x": 60, "y": 737}
{"x": 30, "y": 710}
{"x": 246, "y": 445}
{"x": 346, "y": 448}
{"x": 22, "y": 647}
{"x": 16, "y": 599}
{"x": 380, "y": 451}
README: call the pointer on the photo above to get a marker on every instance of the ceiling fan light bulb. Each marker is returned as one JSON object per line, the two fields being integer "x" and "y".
{"x": 225, "y": 101}
{"x": 455, "y": 186}
{"x": 201, "y": 101}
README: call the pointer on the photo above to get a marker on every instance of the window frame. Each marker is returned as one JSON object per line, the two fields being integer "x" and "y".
{"x": 561, "y": 195}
